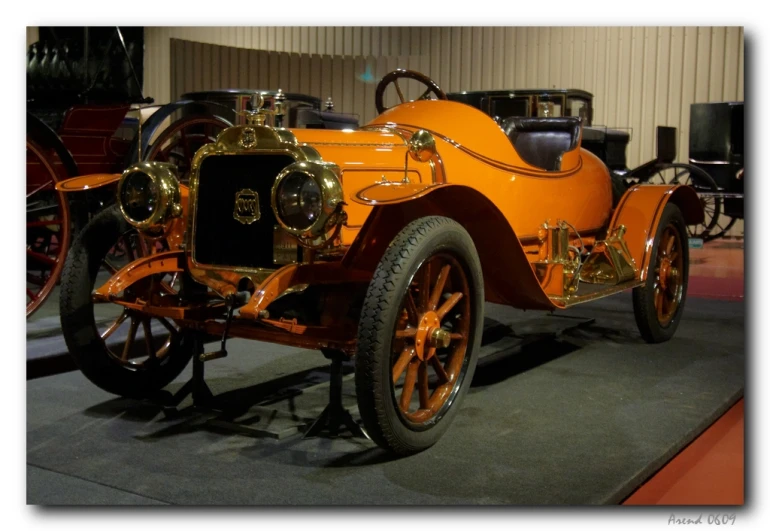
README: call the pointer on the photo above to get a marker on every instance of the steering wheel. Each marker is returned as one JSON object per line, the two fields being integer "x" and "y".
{"x": 394, "y": 76}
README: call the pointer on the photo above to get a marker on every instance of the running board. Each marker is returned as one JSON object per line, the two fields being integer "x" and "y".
{"x": 586, "y": 294}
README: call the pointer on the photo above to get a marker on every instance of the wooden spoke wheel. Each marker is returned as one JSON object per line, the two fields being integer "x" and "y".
{"x": 122, "y": 350}
{"x": 419, "y": 335}
{"x": 714, "y": 225}
{"x": 431, "y": 339}
{"x": 48, "y": 227}
{"x": 659, "y": 302}
{"x": 158, "y": 333}
{"x": 179, "y": 142}
{"x": 668, "y": 275}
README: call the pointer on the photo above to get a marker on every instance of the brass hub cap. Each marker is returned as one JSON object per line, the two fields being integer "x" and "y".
{"x": 668, "y": 287}
{"x": 431, "y": 339}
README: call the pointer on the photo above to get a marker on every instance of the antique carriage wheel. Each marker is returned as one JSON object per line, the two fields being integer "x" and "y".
{"x": 658, "y": 304}
{"x": 180, "y": 140}
{"x": 103, "y": 336}
{"x": 712, "y": 227}
{"x": 48, "y": 227}
{"x": 419, "y": 335}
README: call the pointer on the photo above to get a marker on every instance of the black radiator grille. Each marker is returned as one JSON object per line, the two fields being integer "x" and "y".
{"x": 220, "y": 239}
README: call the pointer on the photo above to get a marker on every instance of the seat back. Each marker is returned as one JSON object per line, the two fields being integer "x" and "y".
{"x": 541, "y": 142}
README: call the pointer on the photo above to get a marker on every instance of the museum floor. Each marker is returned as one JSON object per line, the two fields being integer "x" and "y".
{"x": 571, "y": 409}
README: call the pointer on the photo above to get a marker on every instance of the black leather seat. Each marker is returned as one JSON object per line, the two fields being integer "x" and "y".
{"x": 541, "y": 142}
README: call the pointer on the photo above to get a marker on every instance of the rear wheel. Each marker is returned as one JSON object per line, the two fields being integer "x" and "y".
{"x": 658, "y": 304}
{"x": 121, "y": 350}
{"x": 419, "y": 335}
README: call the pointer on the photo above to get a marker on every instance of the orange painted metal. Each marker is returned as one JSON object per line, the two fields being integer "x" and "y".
{"x": 166, "y": 262}
{"x": 87, "y": 182}
{"x": 640, "y": 209}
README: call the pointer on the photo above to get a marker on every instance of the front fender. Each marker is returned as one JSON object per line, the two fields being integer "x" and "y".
{"x": 640, "y": 210}
{"x": 87, "y": 182}
{"x": 390, "y": 193}
{"x": 508, "y": 275}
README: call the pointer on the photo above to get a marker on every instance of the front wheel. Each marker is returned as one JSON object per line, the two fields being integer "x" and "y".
{"x": 103, "y": 337}
{"x": 659, "y": 302}
{"x": 419, "y": 335}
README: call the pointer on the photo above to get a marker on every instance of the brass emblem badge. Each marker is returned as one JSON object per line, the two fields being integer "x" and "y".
{"x": 246, "y": 206}
{"x": 248, "y": 138}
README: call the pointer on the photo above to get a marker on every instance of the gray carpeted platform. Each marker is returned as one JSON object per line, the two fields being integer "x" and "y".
{"x": 572, "y": 413}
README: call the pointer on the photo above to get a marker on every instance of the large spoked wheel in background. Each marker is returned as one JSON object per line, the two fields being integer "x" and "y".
{"x": 419, "y": 335}
{"x": 48, "y": 227}
{"x": 393, "y": 77}
{"x": 123, "y": 351}
{"x": 713, "y": 226}
{"x": 658, "y": 304}
{"x": 180, "y": 140}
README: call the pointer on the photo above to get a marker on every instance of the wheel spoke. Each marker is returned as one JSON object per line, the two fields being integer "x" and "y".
{"x": 32, "y": 295}
{"x": 449, "y": 304}
{"x": 439, "y": 289}
{"x": 425, "y": 286}
{"x": 44, "y": 222}
{"x": 47, "y": 260}
{"x": 148, "y": 338}
{"x": 114, "y": 326}
{"x": 424, "y": 391}
{"x": 406, "y": 333}
{"x": 440, "y": 371}
{"x": 425, "y": 93}
{"x": 411, "y": 309}
{"x": 168, "y": 325}
{"x": 669, "y": 244}
{"x": 130, "y": 339}
{"x": 403, "y": 360}
{"x": 409, "y": 380}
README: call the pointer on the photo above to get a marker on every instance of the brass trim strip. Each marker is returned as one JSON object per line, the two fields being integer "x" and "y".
{"x": 502, "y": 165}
{"x": 567, "y": 302}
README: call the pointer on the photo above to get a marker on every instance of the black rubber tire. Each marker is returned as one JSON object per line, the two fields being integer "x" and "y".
{"x": 376, "y": 402}
{"x": 78, "y": 322}
{"x": 643, "y": 296}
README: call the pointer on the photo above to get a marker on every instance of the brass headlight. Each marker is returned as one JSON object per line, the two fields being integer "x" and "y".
{"x": 306, "y": 199}
{"x": 148, "y": 195}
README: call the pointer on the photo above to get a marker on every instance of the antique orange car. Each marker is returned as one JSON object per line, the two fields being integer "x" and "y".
{"x": 381, "y": 243}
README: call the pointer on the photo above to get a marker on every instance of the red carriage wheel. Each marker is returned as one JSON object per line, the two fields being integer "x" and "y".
{"x": 48, "y": 227}
{"x": 180, "y": 140}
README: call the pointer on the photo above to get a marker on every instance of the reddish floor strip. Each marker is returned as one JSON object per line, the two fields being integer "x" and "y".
{"x": 716, "y": 271}
{"x": 710, "y": 471}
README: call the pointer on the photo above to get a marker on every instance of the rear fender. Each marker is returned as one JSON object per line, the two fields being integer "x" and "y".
{"x": 640, "y": 210}
{"x": 508, "y": 275}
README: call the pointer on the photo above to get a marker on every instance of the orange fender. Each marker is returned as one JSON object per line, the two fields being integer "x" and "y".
{"x": 508, "y": 275}
{"x": 640, "y": 210}
{"x": 87, "y": 182}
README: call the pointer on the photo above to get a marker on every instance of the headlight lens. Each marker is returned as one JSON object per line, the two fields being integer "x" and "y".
{"x": 149, "y": 196}
{"x": 299, "y": 200}
{"x": 307, "y": 200}
{"x": 139, "y": 196}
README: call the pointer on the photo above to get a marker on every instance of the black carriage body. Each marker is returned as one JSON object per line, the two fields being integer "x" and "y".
{"x": 301, "y": 111}
{"x": 716, "y": 146}
{"x": 530, "y": 102}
